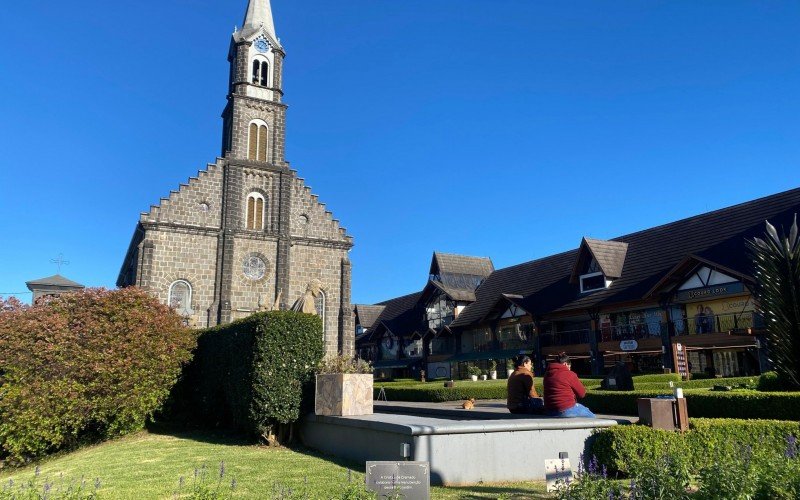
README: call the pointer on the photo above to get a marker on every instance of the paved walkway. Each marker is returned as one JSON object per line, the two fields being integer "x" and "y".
{"x": 483, "y": 410}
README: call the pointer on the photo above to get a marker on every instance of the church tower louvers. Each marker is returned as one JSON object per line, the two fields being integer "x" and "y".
{"x": 246, "y": 234}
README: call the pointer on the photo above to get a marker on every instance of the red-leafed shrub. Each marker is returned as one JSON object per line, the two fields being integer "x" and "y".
{"x": 83, "y": 367}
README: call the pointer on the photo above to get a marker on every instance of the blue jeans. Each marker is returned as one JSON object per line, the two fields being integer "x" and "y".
{"x": 577, "y": 411}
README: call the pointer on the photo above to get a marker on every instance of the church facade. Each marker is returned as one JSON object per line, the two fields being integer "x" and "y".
{"x": 246, "y": 234}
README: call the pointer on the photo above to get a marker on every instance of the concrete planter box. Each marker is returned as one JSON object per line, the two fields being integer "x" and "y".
{"x": 343, "y": 394}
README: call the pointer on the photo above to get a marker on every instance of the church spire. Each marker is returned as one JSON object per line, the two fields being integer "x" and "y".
{"x": 259, "y": 15}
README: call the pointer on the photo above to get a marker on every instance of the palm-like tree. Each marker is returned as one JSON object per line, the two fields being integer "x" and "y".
{"x": 777, "y": 272}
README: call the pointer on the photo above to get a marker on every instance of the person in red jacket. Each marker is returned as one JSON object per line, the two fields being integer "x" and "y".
{"x": 562, "y": 390}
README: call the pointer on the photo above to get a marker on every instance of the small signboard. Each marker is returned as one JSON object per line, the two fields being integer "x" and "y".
{"x": 681, "y": 363}
{"x": 557, "y": 472}
{"x": 628, "y": 345}
{"x": 406, "y": 480}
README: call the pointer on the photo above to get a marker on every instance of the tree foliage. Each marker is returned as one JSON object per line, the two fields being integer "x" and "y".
{"x": 777, "y": 271}
{"x": 85, "y": 366}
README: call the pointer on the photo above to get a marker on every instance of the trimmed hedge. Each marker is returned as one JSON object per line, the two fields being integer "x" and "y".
{"x": 705, "y": 403}
{"x": 86, "y": 366}
{"x": 701, "y": 402}
{"x": 251, "y": 375}
{"x": 658, "y": 377}
{"x": 618, "y": 446}
{"x": 771, "y": 382}
{"x": 705, "y": 383}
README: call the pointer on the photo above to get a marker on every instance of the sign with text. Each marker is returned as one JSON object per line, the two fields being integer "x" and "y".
{"x": 628, "y": 345}
{"x": 406, "y": 480}
{"x": 708, "y": 292}
{"x": 557, "y": 472}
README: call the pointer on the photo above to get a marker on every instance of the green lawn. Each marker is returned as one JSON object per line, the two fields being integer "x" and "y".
{"x": 150, "y": 465}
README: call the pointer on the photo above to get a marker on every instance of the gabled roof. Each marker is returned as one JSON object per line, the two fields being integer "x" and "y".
{"x": 447, "y": 263}
{"x": 368, "y": 315}
{"x": 610, "y": 256}
{"x": 717, "y": 237}
{"x": 56, "y": 280}
{"x": 400, "y": 315}
{"x": 459, "y": 294}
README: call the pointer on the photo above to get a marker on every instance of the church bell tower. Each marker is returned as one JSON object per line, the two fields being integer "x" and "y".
{"x": 254, "y": 118}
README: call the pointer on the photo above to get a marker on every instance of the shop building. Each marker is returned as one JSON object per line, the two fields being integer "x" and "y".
{"x": 675, "y": 298}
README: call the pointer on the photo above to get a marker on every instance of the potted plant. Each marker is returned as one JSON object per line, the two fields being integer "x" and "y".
{"x": 483, "y": 374}
{"x": 344, "y": 387}
{"x": 474, "y": 372}
{"x": 509, "y": 367}
{"x": 493, "y": 370}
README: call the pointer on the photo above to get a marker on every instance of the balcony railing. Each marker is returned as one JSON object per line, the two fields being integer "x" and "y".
{"x": 566, "y": 337}
{"x": 637, "y": 331}
{"x": 717, "y": 323}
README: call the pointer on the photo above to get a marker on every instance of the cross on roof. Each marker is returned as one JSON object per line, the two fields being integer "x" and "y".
{"x": 59, "y": 261}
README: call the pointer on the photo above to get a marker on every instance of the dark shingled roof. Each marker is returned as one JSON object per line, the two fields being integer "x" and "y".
{"x": 56, "y": 280}
{"x": 717, "y": 237}
{"x": 400, "y": 315}
{"x": 461, "y": 264}
{"x": 368, "y": 315}
{"x": 610, "y": 256}
{"x": 460, "y": 294}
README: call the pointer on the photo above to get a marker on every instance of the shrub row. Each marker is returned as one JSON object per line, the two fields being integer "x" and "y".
{"x": 701, "y": 402}
{"x": 705, "y": 383}
{"x": 621, "y": 445}
{"x": 251, "y": 375}
{"x": 704, "y": 403}
{"x": 771, "y": 382}
{"x": 83, "y": 367}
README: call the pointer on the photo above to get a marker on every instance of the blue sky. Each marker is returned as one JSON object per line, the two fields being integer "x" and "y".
{"x": 501, "y": 128}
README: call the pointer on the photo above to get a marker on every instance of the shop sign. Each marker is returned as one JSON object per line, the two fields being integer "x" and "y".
{"x": 711, "y": 291}
{"x": 628, "y": 345}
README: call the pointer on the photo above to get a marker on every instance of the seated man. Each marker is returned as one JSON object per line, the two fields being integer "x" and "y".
{"x": 522, "y": 396}
{"x": 562, "y": 389}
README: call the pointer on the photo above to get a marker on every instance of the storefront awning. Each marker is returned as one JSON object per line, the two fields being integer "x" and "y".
{"x": 475, "y": 356}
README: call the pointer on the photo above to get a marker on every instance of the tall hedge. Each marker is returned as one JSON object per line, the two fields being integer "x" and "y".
{"x": 250, "y": 375}
{"x": 86, "y": 366}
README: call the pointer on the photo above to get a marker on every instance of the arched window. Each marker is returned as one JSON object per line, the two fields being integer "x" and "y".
{"x": 256, "y": 72}
{"x": 264, "y": 74}
{"x": 180, "y": 297}
{"x": 255, "y": 212}
{"x": 257, "y": 142}
{"x": 319, "y": 305}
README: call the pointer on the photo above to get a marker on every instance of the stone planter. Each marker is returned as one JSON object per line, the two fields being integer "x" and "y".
{"x": 493, "y": 375}
{"x": 474, "y": 378}
{"x": 343, "y": 394}
{"x": 483, "y": 377}
{"x": 509, "y": 372}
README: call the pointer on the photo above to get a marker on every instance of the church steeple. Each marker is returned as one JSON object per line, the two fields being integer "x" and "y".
{"x": 258, "y": 16}
{"x": 254, "y": 119}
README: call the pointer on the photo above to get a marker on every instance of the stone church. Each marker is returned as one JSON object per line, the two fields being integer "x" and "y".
{"x": 246, "y": 234}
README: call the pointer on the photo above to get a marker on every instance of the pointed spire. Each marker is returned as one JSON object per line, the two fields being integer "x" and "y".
{"x": 259, "y": 14}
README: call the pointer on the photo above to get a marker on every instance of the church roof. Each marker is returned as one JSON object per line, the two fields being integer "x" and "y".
{"x": 56, "y": 280}
{"x": 258, "y": 18}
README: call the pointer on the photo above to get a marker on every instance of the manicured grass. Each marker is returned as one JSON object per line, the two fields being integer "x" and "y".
{"x": 150, "y": 465}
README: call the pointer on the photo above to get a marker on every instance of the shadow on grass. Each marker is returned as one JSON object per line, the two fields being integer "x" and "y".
{"x": 489, "y": 491}
{"x": 233, "y": 438}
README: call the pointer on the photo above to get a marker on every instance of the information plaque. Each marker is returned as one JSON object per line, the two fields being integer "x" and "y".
{"x": 406, "y": 480}
{"x": 558, "y": 473}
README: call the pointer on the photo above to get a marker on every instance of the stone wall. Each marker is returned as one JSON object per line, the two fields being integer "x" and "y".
{"x": 324, "y": 264}
{"x": 196, "y": 203}
{"x": 184, "y": 255}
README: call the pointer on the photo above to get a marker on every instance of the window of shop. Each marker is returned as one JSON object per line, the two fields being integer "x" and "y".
{"x": 515, "y": 336}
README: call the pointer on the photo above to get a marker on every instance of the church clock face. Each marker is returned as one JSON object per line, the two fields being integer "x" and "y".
{"x": 262, "y": 45}
{"x": 254, "y": 268}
